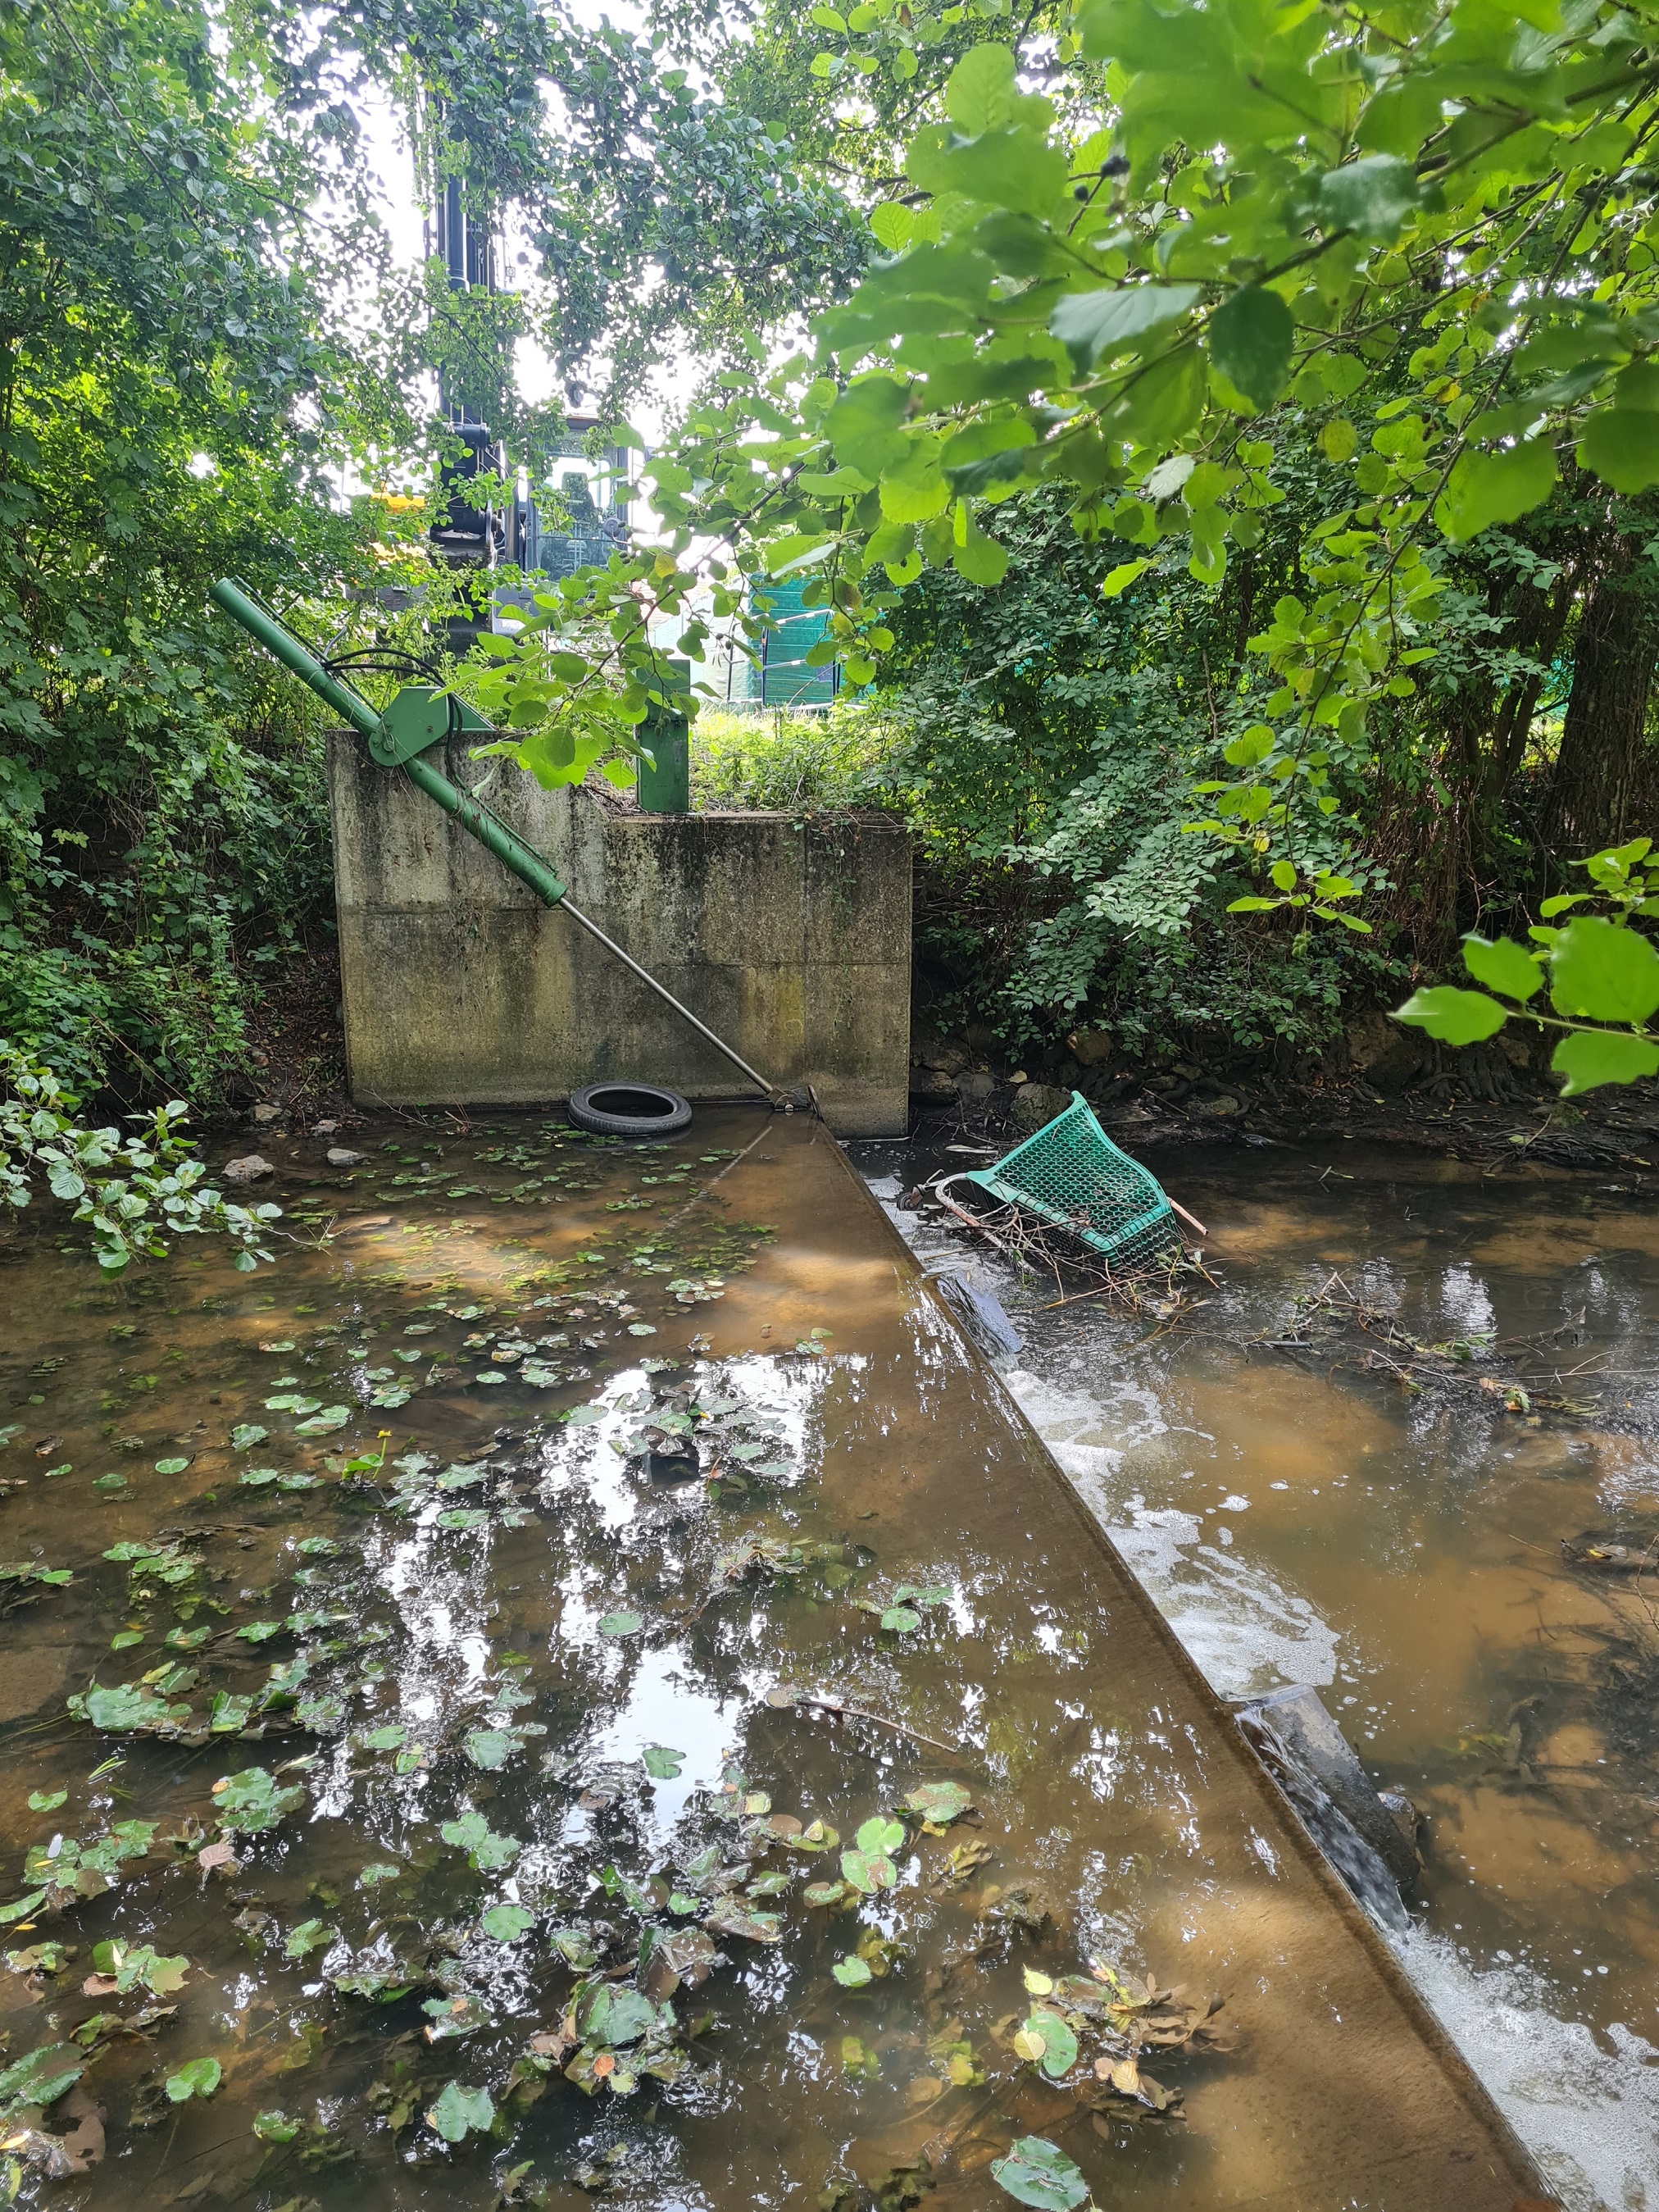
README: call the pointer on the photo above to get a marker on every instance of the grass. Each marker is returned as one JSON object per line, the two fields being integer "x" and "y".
{"x": 790, "y": 764}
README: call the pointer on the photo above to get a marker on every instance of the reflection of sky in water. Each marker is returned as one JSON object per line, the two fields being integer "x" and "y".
{"x": 663, "y": 1708}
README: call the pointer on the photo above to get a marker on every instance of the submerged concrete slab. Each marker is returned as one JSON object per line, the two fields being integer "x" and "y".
{"x": 1121, "y": 1815}
{"x": 791, "y": 939}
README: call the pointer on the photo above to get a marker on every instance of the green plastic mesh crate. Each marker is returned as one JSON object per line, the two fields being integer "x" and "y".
{"x": 1073, "y": 1174}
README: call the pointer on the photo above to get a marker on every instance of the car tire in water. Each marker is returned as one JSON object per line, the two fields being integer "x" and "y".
{"x": 629, "y": 1109}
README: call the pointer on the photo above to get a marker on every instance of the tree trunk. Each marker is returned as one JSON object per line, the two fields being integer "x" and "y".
{"x": 1603, "y": 736}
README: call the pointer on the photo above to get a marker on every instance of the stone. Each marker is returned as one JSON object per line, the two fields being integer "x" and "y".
{"x": 1383, "y": 1052}
{"x": 248, "y": 1169}
{"x": 935, "y": 1052}
{"x": 1090, "y": 1047}
{"x": 976, "y": 1086}
{"x": 1215, "y": 1108}
{"x": 931, "y": 1086}
{"x": 342, "y": 1156}
{"x": 264, "y": 1116}
{"x": 1036, "y": 1104}
{"x": 325, "y": 1128}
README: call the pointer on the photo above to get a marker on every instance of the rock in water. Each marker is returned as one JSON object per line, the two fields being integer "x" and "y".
{"x": 341, "y": 1156}
{"x": 248, "y": 1169}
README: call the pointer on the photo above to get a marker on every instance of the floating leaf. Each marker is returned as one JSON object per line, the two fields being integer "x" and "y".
{"x": 490, "y": 1748}
{"x": 940, "y": 1802}
{"x": 507, "y": 1923}
{"x": 274, "y": 2127}
{"x": 851, "y": 1973}
{"x": 662, "y": 1763}
{"x": 200, "y": 2077}
{"x": 324, "y": 1423}
{"x": 171, "y": 1466}
{"x": 310, "y": 1935}
{"x": 621, "y": 1624}
{"x": 1047, "y": 2040}
{"x": 42, "y": 2077}
{"x": 1036, "y": 2171}
{"x": 378, "y": 1871}
{"x": 389, "y": 1738}
{"x": 47, "y": 1801}
{"x": 246, "y": 1434}
{"x": 251, "y": 1800}
{"x": 459, "y": 2110}
{"x": 485, "y": 1849}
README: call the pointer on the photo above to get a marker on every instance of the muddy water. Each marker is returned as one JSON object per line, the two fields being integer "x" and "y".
{"x": 1300, "y": 1517}
{"x": 439, "y": 1764}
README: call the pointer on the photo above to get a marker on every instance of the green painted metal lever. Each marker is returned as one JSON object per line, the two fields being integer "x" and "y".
{"x": 418, "y": 718}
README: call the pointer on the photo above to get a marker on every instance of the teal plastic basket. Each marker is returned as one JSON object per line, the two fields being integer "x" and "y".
{"x": 1072, "y": 1174}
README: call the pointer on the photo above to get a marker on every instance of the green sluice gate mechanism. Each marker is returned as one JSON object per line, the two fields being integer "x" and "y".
{"x": 418, "y": 718}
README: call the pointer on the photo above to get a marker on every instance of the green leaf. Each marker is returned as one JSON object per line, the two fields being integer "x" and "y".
{"x": 851, "y": 1973}
{"x": 1037, "y": 2172}
{"x": 1590, "y": 1057}
{"x": 880, "y": 1834}
{"x": 1488, "y": 488}
{"x": 1371, "y": 196}
{"x": 662, "y": 1763}
{"x": 621, "y": 1624}
{"x": 1090, "y": 325}
{"x": 981, "y": 560}
{"x": 489, "y": 1748}
{"x": 310, "y": 1935}
{"x": 1603, "y": 972}
{"x": 614, "y": 2016}
{"x": 199, "y": 2077}
{"x": 274, "y": 2127}
{"x": 1620, "y": 444}
{"x": 460, "y": 2110}
{"x": 171, "y": 1466}
{"x": 868, "y": 1871}
{"x": 1047, "y": 2038}
{"x": 980, "y": 94}
{"x": 940, "y": 1802}
{"x": 507, "y": 1923}
{"x": 1453, "y": 1016}
{"x": 1251, "y": 337}
{"x": 47, "y": 1801}
{"x": 42, "y": 2077}
{"x": 1502, "y": 966}
{"x": 1117, "y": 580}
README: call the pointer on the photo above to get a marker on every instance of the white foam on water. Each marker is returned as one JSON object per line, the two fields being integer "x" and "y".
{"x": 1589, "y": 2116}
{"x": 1245, "y": 1631}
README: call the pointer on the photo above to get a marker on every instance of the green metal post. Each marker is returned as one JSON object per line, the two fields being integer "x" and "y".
{"x": 666, "y": 787}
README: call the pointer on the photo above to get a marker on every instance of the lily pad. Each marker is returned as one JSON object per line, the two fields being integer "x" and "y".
{"x": 251, "y": 1800}
{"x": 200, "y": 2077}
{"x": 1048, "y": 2042}
{"x": 851, "y": 1973}
{"x": 507, "y": 1923}
{"x": 47, "y": 1801}
{"x": 246, "y": 1434}
{"x": 310, "y": 1935}
{"x": 389, "y": 1738}
{"x": 460, "y": 2111}
{"x": 662, "y": 1763}
{"x": 485, "y": 1849}
{"x": 1037, "y": 2172}
{"x": 171, "y": 1466}
{"x": 621, "y": 1624}
{"x": 940, "y": 1802}
{"x": 324, "y": 1423}
{"x": 490, "y": 1748}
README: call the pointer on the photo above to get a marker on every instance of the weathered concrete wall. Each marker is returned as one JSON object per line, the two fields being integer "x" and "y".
{"x": 790, "y": 941}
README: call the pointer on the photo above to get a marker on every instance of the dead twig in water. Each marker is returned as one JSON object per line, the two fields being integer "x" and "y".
{"x": 783, "y": 1699}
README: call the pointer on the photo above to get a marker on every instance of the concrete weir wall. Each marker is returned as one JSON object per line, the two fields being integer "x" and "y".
{"x": 790, "y": 938}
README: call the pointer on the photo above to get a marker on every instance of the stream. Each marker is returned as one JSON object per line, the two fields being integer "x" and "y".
{"x": 1304, "y": 1512}
{"x": 575, "y": 1684}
